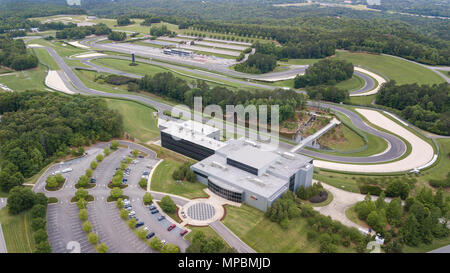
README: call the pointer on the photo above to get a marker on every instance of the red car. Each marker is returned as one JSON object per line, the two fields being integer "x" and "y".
{"x": 183, "y": 232}
{"x": 172, "y": 226}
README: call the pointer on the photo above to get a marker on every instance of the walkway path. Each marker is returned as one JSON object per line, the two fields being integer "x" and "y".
{"x": 3, "y": 248}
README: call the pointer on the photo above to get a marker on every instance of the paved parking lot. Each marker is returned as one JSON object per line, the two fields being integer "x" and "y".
{"x": 64, "y": 226}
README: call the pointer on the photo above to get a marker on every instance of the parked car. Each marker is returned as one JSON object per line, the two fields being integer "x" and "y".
{"x": 150, "y": 235}
{"x": 146, "y": 173}
{"x": 183, "y": 232}
{"x": 124, "y": 180}
{"x": 172, "y": 226}
{"x": 162, "y": 217}
{"x": 139, "y": 224}
{"x": 93, "y": 180}
{"x": 132, "y": 212}
{"x": 154, "y": 211}
{"x": 152, "y": 207}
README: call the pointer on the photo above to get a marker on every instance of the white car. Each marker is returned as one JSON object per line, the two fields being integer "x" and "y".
{"x": 68, "y": 170}
{"x": 55, "y": 173}
{"x": 132, "y": 212}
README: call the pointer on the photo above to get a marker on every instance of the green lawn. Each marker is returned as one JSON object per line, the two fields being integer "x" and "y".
{"x": 17, "y": 231}
{"x": 144, "y": 68}
{"x": 45, "y": 58}
{"x": 138, "y": 119}
{"x": 300, "y": 61}
{"x": 352, "y": 141}
{"x": 262, "y": 235}
{"x": 362, "y": 100}
{"x": 60, "y": 47}
{"x": 209, "y": 232}
{"x": 162, "y": 181}
{"x": 352, "y": 84}
{"x": 401, "y": 71}
{"x": 32, "y": 79}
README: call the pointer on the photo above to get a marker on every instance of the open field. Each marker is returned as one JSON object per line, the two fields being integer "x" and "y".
{"x": 148, "y": 69}
{"x": 351, "y": 140}
{"x": 17, "y": 231}
{"x": 63, "y": 49}
{"x": 362, "y": 100}
{"x": 300, "y": 61}
{"x": 45, "y": 58}
{"x": 401, "y": 71}
{"x": 162, "y": 181}
{"x": 263, "y": 235}
{"x": 352, "y": 84}
{"x": 32, "y": 79}
{"x": 138, "y": 119}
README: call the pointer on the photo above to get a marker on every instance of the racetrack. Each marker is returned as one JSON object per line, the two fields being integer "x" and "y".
{"x": 396, "y": 146}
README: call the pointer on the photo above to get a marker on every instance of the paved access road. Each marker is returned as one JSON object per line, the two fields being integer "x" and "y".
{"x": 445, "y": 249}
{"x": 3, "y": 202}
{"x": 232, "y": 240}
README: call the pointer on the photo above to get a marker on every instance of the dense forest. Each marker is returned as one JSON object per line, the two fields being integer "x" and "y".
{"x": 83, "y": 31}
{"x": 327, "y": 72}
{"x": 427, "y": 107}
{"x": 167, "y": 85}
{"x": 37, "y": 126}
{"x": 328, "y": 93}
{"x": 257, "y": 64}
{"x": 13, "y": 54}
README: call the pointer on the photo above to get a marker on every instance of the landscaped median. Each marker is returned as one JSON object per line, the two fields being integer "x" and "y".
{"x": 82, "y": 197}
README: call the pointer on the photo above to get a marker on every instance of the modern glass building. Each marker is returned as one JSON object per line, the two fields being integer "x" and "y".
{"x": 238, "y": 170}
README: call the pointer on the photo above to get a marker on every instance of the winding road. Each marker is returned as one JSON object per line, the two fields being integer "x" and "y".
{"x": 396, "y": 147}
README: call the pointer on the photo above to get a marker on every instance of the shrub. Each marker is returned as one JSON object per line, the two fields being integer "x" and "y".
{"x": 170, "y": 248}
{"x": 102, "y": 248}
{"x": 321, "y": 197}
{"x": 89, "y": 173}
{"x": 114, "y": 144}
{"x": 156, "y": 243}
{"x": 119, "y": 203}
{"x": 99, "y": 158}
{"x": 87, "y": 227}
{"x": 143, "y": 183}
{"x": 148, "y": 198}
{"x": 38, "y": 211}
{"x": 94, "y": 165}
{"x": 141, "y": 233}
{"x": 124, "y": 214}
{"x": 168, "y": 205}
{"x": 83, "y": 214}
{"x": 132, "y": 223}
{"x": 370, "y": 189}
{"x": 38, "y": 223}
{"x": 93, "y": 238}
{"x": 40, "y": 236}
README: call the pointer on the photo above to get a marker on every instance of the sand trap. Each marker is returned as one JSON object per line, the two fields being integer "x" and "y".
{"x": 420, "y": 155}
{"x": 54, "y": 81}
{"x": 89, "y": 55}
{"x": 34, "y": 45}
{"x": 378, "y": 78}
{"x": 77, "y": 44}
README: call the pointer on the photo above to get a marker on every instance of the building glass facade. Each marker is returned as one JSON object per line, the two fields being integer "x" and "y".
{"x": 227, "y": 194}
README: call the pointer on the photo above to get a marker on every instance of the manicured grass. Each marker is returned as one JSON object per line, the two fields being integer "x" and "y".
{"x": 138, "y": 119}
{"x": 263, "y": 235}
{"x": 17, "y": 231}
{"x": 148, "y": 69}
{"x": 209, "y": 232}
{"x": 375, "y": 144}
{"x": 401, "y": 71}
{"x": 342, "y": 181}
{"x": 362, "y": 100}
{"x": 32, "y": 79}
{"x": 60, "y": 47}
{"x": 162, "y": 181}
{"x": 422, "y": 248}
{"x": 352, "y": 142}
{"x": 351, "y": 214}
{"x": 45, "y": 58}
{"x": 300, "y": 61}
{"x": 3, "y": 194}
{"x": 440, "y": 170}
{"x": 352, "y": 84}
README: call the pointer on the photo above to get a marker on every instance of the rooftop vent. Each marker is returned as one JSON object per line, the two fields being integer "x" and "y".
{"x": 218, "y": 165}
{"x": 252, "y": 143}
{"x": 288, "y": 155}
